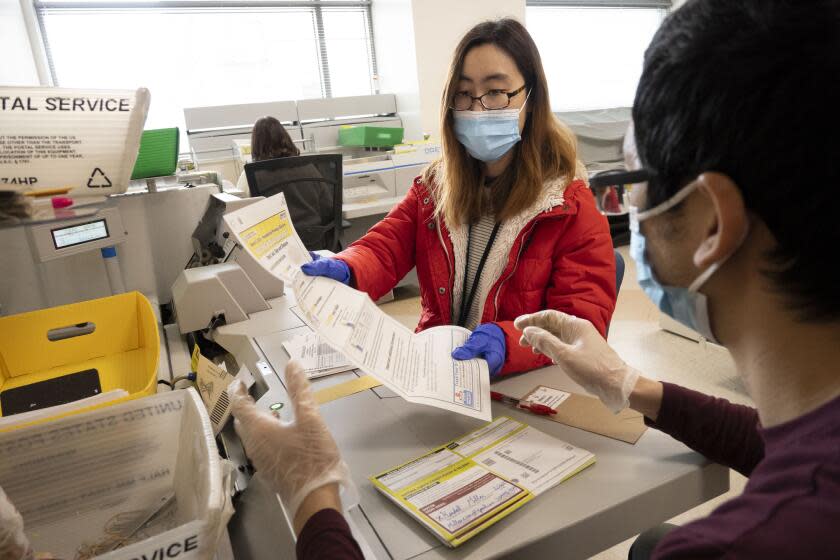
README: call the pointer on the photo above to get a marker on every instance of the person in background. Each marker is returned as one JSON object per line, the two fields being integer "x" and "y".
{"x": 503, "y": 224}
{"x": 269, "y": 140}
{"x": 733, "y": 230}
{"x": 308, "y": 197}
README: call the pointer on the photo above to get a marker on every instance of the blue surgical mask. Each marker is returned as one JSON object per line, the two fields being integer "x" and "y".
{"x": 685, "y": 305}
{"x": 488, "y": 135}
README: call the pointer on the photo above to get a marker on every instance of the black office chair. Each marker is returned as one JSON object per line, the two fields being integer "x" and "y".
{"x": 619, "y": 276}
{"x": 312, "y": 185}
{"x": 606, "y": 189}
{"x": 619, "y": 271}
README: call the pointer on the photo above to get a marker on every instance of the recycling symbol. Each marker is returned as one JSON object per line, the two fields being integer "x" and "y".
{"x": 98, "y": 180}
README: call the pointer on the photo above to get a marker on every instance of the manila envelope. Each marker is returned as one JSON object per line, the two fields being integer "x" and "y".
{"x": 590, "y": 414}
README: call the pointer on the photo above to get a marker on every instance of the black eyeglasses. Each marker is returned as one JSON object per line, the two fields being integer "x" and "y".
{"x": 493, "y": 100}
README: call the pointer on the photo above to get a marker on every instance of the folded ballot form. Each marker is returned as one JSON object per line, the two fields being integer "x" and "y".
{"x": 416, "y": 366}
{"x": 464, "y": 486}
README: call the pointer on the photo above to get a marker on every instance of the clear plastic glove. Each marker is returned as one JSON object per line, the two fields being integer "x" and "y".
{"x": 13, "y": 542}
{"x": 486, "y": 341}
{"x": 295, "y": 458}
{"x": 577, "y": 346}
{"x": 327, "y": 266}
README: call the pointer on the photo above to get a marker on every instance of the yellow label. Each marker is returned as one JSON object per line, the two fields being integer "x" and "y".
{"x": 194, "y": 361}
{"x": 346, "y": 389}
{"x": 267, "y": 235}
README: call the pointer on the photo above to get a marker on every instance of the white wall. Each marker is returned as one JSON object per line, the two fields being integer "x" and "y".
{"x": 393, "y": 32}
{"x": 18, "y": 63}
{"x": 438, "y": 26}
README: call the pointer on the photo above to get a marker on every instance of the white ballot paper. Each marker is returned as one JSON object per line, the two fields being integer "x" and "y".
{"x": 316, "y": 356}
{"x": 418, "y": 367}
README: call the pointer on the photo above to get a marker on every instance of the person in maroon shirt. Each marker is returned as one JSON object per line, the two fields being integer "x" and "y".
{"x": 736, "y": 164}
{"x": 736, "y": 160}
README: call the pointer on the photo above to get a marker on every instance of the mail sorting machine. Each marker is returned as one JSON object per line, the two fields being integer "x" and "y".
{"x": 229, "y": 303}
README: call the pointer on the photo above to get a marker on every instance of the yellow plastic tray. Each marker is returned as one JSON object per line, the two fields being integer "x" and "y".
{"x": 123, "y": 346}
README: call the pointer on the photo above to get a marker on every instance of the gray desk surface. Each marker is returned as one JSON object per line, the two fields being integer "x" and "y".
{"x": 630, "y": 488}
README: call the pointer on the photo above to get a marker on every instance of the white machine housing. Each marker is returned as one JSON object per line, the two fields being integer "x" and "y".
{"x": 212, "y": 229}
{"x": 203, "y": 295}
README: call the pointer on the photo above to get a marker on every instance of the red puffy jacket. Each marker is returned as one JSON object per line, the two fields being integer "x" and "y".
{"x": 561, "y": 259}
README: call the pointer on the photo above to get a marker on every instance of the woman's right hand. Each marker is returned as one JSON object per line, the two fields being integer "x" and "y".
{"x": 577, "y": 346}
{"x": 328, "y": 267}
{"x": 300, "y": 459}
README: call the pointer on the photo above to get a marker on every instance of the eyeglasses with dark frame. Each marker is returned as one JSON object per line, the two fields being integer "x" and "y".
{"x": 493, "y": 100}
{"x": 617, "y": 178}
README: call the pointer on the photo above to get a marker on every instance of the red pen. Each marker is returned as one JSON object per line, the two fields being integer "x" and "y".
{"x": 535, "y": 408}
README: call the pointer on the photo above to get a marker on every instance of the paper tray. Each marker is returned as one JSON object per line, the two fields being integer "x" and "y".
{"x": 116, "y": 336}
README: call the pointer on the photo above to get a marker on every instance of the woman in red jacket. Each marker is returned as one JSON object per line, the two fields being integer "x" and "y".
{"x": 500, "y": 226}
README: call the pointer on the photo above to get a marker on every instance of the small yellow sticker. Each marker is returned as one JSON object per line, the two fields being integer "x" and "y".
{"x": 346, "y": 389}
{"x": 267, "y": 236}
{"x": 194, "y": 361}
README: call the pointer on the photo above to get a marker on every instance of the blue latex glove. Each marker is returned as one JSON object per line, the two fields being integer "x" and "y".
{"x": 486, "y": 341}
{"x": 329, "y": 267}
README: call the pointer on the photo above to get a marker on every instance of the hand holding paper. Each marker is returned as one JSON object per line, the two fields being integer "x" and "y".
{"x": 486, "y": 341}
{"x": 328, "y": 267}
{"x": 418, "y": 367}
{"x": 295, "y": 458}
{"x": 583, "y": 353}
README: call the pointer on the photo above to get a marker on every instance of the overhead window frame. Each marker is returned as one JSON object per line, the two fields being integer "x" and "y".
{"x": 41, "y": 7}
{"x": 653, "y": 4}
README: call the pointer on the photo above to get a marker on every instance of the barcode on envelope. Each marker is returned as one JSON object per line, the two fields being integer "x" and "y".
{"x": 525, "y": 466}
{"x": 220, "y": 408}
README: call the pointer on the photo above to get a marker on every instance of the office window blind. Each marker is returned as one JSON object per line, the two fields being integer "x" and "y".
{"x": 592, "y": 50}
{"x": 193, "y": 53}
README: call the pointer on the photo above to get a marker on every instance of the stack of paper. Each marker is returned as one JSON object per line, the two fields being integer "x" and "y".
{"x": 316, "y": 356}
{"x": 62, "y": 409}
{"x": 462, "y": 487}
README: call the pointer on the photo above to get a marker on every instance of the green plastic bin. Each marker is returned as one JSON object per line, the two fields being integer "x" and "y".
{"x": 370, "y": 136}
{"x": 158, "y": 155}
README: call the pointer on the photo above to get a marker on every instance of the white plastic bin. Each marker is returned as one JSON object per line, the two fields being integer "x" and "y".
{"x": 83, "y": 482}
